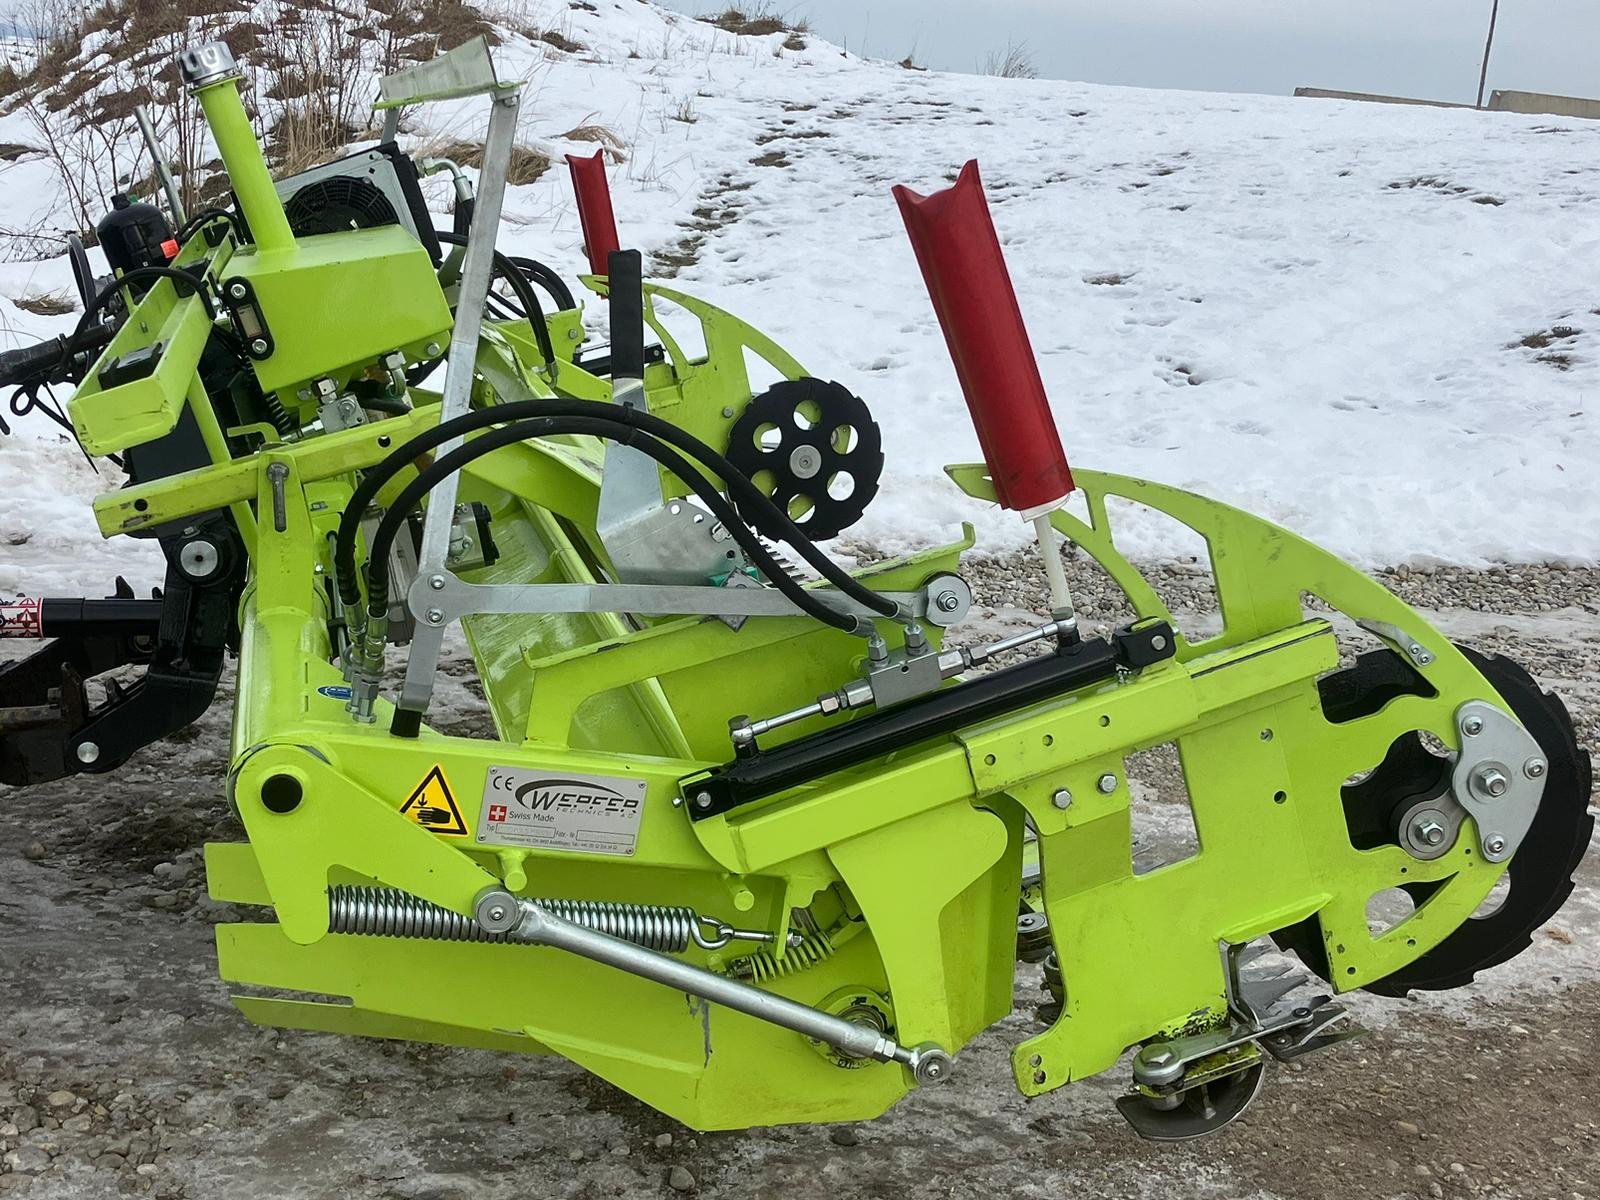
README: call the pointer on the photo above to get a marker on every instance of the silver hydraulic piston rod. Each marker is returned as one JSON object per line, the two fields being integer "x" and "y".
{"x": 890, "y": 680}
{"x": 497, "y": 911}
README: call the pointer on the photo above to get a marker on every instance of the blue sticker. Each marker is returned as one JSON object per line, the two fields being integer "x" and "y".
{"x": 336, "y": 692}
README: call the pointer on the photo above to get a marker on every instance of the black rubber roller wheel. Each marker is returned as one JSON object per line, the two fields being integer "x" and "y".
{"x": 812, "y": 447}
{"x": 1540, "y": 873}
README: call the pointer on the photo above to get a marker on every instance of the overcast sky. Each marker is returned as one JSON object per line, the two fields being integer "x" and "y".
{"x": 1424, "y": 48}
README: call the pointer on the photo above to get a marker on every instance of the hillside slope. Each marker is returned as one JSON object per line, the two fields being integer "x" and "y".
{"x": 1373, "y": 324}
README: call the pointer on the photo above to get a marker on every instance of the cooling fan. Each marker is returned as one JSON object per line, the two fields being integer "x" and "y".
{"x": 375, "y": 187}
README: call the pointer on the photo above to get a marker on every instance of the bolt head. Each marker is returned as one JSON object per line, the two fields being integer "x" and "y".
{"x": 436, "y": 582}
{"x": 495, "y": 910}
{"x": 1472, "y": 726}
{"x": 1495, "y": 844}
{"x": 1062, "y": 799}
{"x": 1493, "y": 781}
{"x": 258, "y": 346}
{"x": 238, "y": 290}
{"x": 436, "y": 616}
{"x": 702, "y": 799}
{"x": 947, "y": 601}
{"x": 88, "y": 753}
{"x": 1107, "y": 784}
{"x": 432, "y": 349}
{"x": 1159, "y": 642}
{"x": 805, "y": 462}
{"x": 1535, "y": 768}
{"x": 933, "y": 1065}
{"x": 1430, "y": 832}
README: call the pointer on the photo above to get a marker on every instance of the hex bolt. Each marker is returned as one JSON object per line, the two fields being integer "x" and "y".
{"x": 1493, "y": 781}
{"x": 947, "y": 601}
{"x": 1534, "y": 768}
{"x": 702, "y": 800}
{"x": 1107, "y": 784}
{"x": 1472, "y": 726}
{"x": 1495, "y": 844}
{"x": 1158, "y": 642}
{"x": 258, "y": 346}
{"x": 88, "y": 753}
{"x": 436, "y": 616}
{"x": 432, "y": 349}
{"x": 1427, "y": 829}
{"x": 238, "y": 290}
{"x": 436, "y": 582}
{"x": 1062, "y": 799}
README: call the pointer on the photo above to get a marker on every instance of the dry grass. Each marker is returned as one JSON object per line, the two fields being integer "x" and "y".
{"x": 47, "y": 304}
{"x": 758, "y": 21}
{"x": 527, "y": 164}
{"x": 1014, "y": 62}
{"x": 615, "y": 149}
{"x": 562, "y": 42}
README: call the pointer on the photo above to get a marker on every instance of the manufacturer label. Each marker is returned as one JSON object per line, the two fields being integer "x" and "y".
{"x": 596, "y": 814}
{"x": 335, "y": 691}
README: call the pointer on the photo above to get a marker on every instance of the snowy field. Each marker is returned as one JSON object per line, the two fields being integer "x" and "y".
{"x": 1373, "y": 324}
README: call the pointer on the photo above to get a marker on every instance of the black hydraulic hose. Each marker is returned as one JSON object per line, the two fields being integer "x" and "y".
{"x": 531, "y": 307}
{"x": 412, "y": 494}
{"x": 548, "y": 280}
{"x": 105, "y": 294}
{"x": 206, "y": 215}
{"x": 737, "y": 481}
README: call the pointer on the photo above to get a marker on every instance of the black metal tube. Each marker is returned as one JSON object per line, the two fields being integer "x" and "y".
{"x": 941, "y": 712}
{"x": 78, "y": 618}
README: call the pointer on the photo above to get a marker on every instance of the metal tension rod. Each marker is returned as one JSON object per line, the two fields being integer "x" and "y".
{"x": 498, "y": 911}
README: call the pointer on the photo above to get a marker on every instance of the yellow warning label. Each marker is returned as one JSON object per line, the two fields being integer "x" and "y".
{"x": 433, "y": 806}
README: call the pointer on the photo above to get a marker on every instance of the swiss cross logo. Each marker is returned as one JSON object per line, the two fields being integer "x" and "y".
{"x": 497, "y": 812}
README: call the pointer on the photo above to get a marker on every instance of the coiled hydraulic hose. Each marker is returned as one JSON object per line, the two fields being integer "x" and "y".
{"x": 505, "y": 435}
{"x": 665, "y": 431}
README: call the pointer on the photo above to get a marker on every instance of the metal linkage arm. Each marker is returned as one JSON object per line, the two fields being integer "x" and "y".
{"x": 497, "y": 911}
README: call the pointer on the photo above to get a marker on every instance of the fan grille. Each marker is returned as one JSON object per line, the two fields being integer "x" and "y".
{"x": 337, "y": 203}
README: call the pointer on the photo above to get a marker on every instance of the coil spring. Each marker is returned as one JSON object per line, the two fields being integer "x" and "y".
{"x": 280, "y": 417}
{"x": 389, "y": 912}
{"x": 814, "y": 948}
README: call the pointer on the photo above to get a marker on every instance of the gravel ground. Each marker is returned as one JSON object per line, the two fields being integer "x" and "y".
{"x": 124, "y": 1070}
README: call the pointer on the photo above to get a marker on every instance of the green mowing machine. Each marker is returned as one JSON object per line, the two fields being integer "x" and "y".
{"x": 750, "y": 842}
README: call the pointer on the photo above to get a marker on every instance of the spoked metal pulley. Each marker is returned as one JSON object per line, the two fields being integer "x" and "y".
{"x": 813, "y": 447}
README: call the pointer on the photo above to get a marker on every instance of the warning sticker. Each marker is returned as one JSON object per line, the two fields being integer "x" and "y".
{"x": 597, "y": 814}
{"x": 19, "y": 618}
{"x": 433, "y": 805}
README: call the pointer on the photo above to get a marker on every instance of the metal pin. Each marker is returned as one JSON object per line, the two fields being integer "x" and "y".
{"x": 277, "y": 476}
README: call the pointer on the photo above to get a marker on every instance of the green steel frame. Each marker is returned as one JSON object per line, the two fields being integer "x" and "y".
{"x": 911, "y": 864}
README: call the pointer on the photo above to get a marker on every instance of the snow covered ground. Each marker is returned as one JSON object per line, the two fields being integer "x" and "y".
{"x": 1374, "y": 324}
